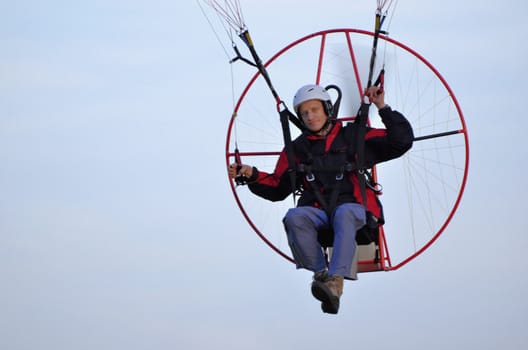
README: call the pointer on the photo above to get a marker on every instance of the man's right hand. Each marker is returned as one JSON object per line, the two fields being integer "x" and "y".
{"x": 235, "y": 170}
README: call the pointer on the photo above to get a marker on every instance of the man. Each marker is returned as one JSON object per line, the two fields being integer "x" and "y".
{"x": 326, "y": 156}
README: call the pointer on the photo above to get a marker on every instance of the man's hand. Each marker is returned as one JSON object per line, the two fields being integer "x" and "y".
{"x": 235, "y": 170}
{"x": 376, "y": 96}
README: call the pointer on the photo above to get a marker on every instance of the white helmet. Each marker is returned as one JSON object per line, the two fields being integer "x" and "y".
{"x": 312, "y": 92}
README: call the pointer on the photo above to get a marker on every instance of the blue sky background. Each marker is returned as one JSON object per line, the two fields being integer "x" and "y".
{"x": 117, "y": 226}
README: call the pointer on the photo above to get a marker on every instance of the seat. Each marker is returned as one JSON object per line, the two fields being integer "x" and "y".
{"x": 367, "y": 255}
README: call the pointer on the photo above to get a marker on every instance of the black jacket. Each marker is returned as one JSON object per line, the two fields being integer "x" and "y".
{"x": 322, "y": 159}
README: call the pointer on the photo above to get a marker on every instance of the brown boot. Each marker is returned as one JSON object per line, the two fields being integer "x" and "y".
{"x": 328, "y": 291}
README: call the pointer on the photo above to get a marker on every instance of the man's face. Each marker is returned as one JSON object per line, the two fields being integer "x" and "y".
{"x": 312, "y": 114}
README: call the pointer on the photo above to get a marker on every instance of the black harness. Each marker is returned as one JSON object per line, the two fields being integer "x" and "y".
{"x": 328, "y": 181}
{"x": 327, "y": 173}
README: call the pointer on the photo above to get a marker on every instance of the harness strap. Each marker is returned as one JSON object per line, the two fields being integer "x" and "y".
{"x": 328, "y": 207}
{"x": 361, "y": 130}
{"x": 285, "y": 116}
{"x": 319, "y": 196}
{"x": 335, "y": 192}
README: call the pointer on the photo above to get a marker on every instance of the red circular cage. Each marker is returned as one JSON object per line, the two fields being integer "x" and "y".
{"x": 422, "y": 190}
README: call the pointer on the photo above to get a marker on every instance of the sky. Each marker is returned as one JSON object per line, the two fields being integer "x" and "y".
{"x": 118, "y": 229}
